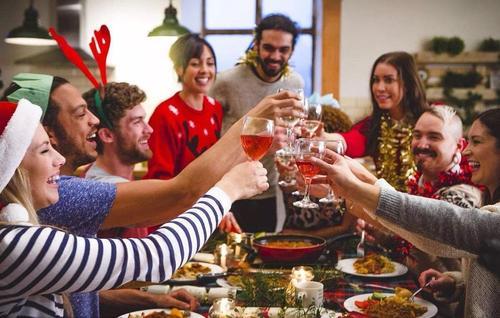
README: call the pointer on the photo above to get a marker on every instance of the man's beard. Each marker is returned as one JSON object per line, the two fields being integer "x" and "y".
{"x": 270, "y": 72}
{"x": 75, "y": 157}
{"x": 129, "y": 153}
{"x": 429, "y": 152}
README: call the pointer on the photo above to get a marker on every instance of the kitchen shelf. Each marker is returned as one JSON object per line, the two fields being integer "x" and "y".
{"x": 471, "y": 57}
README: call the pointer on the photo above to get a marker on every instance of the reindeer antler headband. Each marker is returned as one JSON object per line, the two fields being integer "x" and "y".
{"x": 99, "y": 46}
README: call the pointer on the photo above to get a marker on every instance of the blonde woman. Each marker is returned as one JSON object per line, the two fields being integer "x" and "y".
{"x": 38, "y": 264}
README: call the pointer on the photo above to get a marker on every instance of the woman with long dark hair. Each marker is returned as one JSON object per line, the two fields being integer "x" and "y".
{"x": 398, "y": 100}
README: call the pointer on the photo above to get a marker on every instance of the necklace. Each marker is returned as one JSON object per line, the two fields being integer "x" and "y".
{"x": 394, "y": 159}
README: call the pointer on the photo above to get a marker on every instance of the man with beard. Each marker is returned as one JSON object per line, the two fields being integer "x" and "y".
{"x": 85, "y": 206}
{"x": 262, "y": 72}
{"x": 122, "y": 141}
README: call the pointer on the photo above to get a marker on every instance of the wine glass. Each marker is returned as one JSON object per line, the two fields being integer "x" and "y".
{"x": 256, "y": 136}
{"x": 286, "y": 158}
{"x": 313, "y": 113}
{"x": 291, "y": 120}
{"x": 339, "y": 147}
{"x": 305, "y": 149}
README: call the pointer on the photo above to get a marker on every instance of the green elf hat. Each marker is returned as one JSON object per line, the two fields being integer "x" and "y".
{"x": 33, "y": 87}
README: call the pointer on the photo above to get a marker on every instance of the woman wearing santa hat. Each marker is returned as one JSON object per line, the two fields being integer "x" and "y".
{"x": 38, "y": 264}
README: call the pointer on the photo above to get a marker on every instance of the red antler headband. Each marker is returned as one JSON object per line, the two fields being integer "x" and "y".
{"x": 99, "y": 46}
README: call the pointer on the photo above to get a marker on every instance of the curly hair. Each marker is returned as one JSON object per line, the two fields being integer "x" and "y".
{"x": 277, "y": 22}
{"x": 119, "y": 97}
{"x": 335, "y": 120}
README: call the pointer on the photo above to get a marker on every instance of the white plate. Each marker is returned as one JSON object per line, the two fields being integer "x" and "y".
{"x": 349, "y": 304}
{"x": 150, "y": 311}
{"x": 214, "y": 269}
{"x": 347, "y": 266}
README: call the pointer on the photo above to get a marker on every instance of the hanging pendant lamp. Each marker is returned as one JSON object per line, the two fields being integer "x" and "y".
{"x": 170, "y": 25}
{"x": 30, "y": 33}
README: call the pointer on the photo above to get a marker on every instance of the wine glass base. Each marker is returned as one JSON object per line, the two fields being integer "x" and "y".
{"x": 326, "y": 200}
{"x": 306, "y": 204}
{"x": 285, "y": 184}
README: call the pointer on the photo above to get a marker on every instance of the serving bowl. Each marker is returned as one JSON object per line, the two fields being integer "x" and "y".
{"x": 289, "y": 248}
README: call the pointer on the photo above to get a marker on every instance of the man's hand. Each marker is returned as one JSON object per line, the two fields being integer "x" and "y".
{"x": 285, "y": 103}
{"x": 441, "y": 283}
{"x": 244, "y": 180}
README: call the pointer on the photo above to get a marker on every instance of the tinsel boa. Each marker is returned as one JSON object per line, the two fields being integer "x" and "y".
{"x": 394, "y": 158}
{"x": 251, "y": 58}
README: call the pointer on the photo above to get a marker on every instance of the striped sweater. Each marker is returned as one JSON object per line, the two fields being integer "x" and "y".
{"x": 38, "y": 263}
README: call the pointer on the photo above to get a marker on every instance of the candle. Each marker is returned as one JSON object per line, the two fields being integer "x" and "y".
{"x": 302, "y": 273}
{"x": 223, "y": 308}
{"x": 221, "y": 253}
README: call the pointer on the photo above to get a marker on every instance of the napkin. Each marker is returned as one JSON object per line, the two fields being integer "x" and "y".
{"x": 200, "y": 293}
{"x": 203, "y": 257}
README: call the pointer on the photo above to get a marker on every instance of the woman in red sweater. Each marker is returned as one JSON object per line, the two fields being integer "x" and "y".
{"x": 189, "y": 122}
{"x": 398, "y": 99}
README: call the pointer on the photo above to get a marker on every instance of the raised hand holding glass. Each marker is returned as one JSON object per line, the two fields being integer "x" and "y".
{"x": 257, "y": 136}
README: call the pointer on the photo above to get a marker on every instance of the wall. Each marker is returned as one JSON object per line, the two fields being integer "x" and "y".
{"x": 137, "y": 58}
{"x": 370, "y": 28}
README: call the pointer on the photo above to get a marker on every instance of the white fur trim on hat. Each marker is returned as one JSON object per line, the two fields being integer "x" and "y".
{"x": 16, "y": 138}
{"x": 14, "y": 213}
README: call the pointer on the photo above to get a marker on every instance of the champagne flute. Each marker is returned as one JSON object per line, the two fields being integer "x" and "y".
{"x": 313, "y": 113}
{"x": 256, "y": 136}
{"x": 290, "y": 120}
{"x": 305, "y": 149}
{"x": 339, "y": 147}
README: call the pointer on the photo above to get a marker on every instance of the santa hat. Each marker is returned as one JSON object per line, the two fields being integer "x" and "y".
{"x": 18, "y": 123}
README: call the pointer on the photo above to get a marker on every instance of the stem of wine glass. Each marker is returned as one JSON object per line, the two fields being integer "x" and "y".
{"x": 289, "y": 131}
{"x": 306, "y": 190}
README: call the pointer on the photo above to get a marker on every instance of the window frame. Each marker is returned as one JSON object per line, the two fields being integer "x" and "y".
{"x": 258, "y": 17}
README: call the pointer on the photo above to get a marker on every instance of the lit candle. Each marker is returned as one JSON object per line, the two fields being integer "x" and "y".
{"x": 223, "y": 307}
{"x": 221, "y": 252}
{"x": 302, "y": 273}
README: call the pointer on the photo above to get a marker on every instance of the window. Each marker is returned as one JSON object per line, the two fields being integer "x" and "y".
{"x": 228, "y": 26}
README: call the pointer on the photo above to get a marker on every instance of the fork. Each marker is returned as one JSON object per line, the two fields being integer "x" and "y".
{"x": 412, "y": 297}
{"x": 360, "y": 248}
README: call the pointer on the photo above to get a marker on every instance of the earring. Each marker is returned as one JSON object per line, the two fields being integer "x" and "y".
{"x": 457, "y": 158}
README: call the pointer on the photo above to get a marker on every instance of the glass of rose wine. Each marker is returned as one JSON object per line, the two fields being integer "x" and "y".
{"x": 292, "y": 121}
{"x": 313, "y": 113}
{"x": 305, "y": 149}
{"x": 339, "y": 147}
{"x": 256, "y": 136}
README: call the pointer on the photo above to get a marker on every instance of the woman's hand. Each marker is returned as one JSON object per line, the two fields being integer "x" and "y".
{"x": 179, "y": 298}
{"x": 285, "y": 103}
{"x": 244, "y": 180}
{"x": 337, "y": 171}
{"x": 441, "y": 283}
{"x": 229, "y": 224}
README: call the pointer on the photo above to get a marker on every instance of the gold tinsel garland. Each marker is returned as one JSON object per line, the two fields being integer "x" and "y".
{"x": 395, "y": 159}
{"x": 250, "y": 58}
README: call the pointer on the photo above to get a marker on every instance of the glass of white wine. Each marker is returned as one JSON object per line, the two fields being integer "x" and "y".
{"x": 291, "y": 121}
{"x": 339, "y": 147}
{"x": 312, "y": 121}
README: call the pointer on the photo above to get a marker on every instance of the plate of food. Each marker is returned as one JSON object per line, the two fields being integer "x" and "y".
{"x": 161, "y": 313}
{"x": 191, "y": 271}
{"x": 391, "y": 305}
{"x": 373, "y": 265}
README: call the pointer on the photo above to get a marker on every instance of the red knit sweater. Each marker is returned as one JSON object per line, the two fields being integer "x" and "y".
{"x": 181, "y": 134}
{"x": 356, "y": 139}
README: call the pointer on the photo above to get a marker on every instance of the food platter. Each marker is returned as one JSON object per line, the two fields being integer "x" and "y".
{"x": 190, "y": 272}
{"x": 166, "y": 312}
{"x": 347, "y": 266}
{"x": 349, "y": 304}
